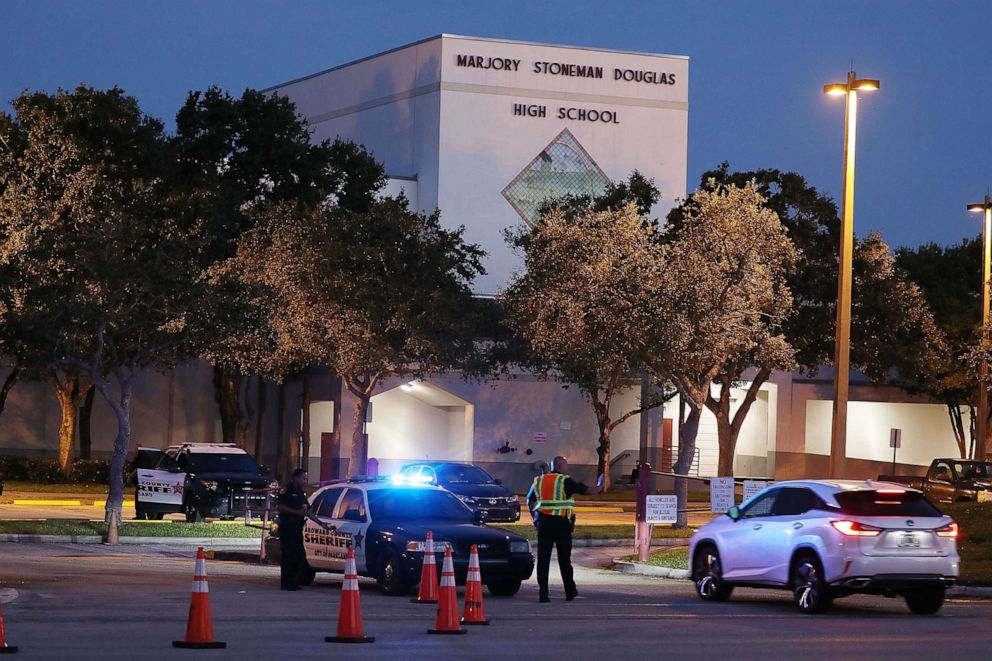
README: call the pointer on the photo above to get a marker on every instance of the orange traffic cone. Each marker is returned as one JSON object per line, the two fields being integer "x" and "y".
{"x": 199, "y": 627}
{"x": 447, "y": 604}
{"x": 473, "y": 612}
{"x": 428, "y": 574}
{"x": 4, "y": 647}
{"x": 350, "y": 629}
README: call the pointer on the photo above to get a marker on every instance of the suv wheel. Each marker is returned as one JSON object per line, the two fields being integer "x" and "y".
{"x": 504, "y": 588}
{"x": 809, "y": 587}
{"x": 926, "y": 601}
{"x": 192, "y": 514}
{"x": 392, "y": 583}
{"x": 708, "y": 574}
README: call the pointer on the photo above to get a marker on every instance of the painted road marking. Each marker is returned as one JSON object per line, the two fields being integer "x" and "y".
{"x": 68, "y": 503}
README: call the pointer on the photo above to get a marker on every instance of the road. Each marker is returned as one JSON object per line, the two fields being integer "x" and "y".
{"x": 86, "y": 602}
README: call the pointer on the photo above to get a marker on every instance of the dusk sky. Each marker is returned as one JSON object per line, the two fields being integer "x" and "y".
{"x": 756, "y": 73}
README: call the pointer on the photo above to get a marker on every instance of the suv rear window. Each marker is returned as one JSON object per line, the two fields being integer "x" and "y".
{"x": 886, "y": 503}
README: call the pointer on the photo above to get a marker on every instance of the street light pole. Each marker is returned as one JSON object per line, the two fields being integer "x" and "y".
{"x": 842, "y": 346}
{"x": 981, "y": 425}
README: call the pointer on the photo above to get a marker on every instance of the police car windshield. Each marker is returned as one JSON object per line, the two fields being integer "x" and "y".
{"x": 217, "y": 462}
{"x": 463, "y": 475}
{"x": 416, "y": 505}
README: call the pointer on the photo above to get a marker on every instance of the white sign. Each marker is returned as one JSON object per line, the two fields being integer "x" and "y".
{"x": 661, "y": 509}
{"x": 721, "y": 494}
{"x": 752, "y": 487}
{"x": 540, "y": 437}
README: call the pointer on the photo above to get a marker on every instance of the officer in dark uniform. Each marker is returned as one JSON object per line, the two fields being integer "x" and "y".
{"x": 551, "y": 504}
{"x": 294, "y": 510}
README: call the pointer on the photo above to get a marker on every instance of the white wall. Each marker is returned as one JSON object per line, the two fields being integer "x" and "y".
{"x": 404, "y": 429}
{"x": 926, "y": 432}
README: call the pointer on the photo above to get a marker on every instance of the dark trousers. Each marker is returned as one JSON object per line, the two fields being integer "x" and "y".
{"x": 292, "y": 556}
{"x": 554, "y": 531}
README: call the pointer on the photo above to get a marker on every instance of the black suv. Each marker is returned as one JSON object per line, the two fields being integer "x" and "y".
{"x": 472, "y": 485}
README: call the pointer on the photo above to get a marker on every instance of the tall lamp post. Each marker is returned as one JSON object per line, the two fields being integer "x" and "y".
{"x": 842, "y": 347}
{"x": 981, "y": 426}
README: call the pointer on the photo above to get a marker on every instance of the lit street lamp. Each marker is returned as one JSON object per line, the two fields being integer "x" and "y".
{"x": 842, "y": 348}
{"x": 981, "y": 426}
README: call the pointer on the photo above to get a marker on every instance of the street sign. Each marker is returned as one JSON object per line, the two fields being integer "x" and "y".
{"x": 661, "y": 509}
{"x": 540, "y": 437}
{"x": 721, "y": 494}
{"x": 895, "y": 438}
{"x": 752, "y": 487}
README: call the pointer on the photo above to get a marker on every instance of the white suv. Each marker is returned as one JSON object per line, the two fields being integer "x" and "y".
{"x": 826, "y": 539}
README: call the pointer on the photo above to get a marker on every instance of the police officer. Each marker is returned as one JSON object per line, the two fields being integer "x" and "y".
{"x": 551, "y": 504}
{"x": 294, "y": 510}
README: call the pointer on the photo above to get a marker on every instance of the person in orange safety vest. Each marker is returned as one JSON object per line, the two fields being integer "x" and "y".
{"x": 551, "y": 504}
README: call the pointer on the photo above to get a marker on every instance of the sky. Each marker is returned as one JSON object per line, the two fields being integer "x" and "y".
{"x": 756, "y": 70}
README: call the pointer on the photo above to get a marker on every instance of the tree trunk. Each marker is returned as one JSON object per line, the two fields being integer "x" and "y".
{"x": 359, "y": 440}
{"x": 260, "y": 417}
{"x": 8, "y": 383}
{"x": 957, "y": 425}
{"x": 687, "y": 451}
{"x": 227, "y": 385}
{"x": 68, "y": 392}
{"x": 972, "y": 430}
{"x": 305, "y": 422}
{"x": 603, "y": 450}
{"x": 729, "y": 428}
{"x": 121, "y": 407}
{"x": 85, "y": 426}
{"x": 281, "y": 471}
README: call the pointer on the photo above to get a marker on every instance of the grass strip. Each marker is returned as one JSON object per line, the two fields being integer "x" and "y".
{"x": 673, "y": 558}
{"x": 618, "y": 531}
{"x": 128, "y": 529}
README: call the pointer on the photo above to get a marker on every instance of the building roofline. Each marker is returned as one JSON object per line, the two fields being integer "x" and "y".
{"x": 445, "y": 35}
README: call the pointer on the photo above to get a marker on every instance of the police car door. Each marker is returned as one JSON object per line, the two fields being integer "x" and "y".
{"x": 352, "y": 519}
{"x": 319, "y": 544}
{"x": 160, "y": 482}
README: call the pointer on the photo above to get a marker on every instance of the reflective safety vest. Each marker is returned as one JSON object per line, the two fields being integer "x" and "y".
{"x": 550, "y": 491}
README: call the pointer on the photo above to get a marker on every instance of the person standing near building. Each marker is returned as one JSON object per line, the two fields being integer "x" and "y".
{"x": 551, "y": 504}
{"x": 294, "y": 510}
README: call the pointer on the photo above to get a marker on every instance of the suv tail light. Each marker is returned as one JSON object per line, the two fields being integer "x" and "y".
{"x": 855, "y": 529}
{"x": 950, "y": 530}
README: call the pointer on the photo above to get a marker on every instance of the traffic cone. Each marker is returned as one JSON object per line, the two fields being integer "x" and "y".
{"x": 4, "y": 647}
{"x": 447, "y": 604}
{"x": 427, "y": 594}
{"x": 350, "y": 629}
{"x": 199, "y": 627}
{"x": 473, "y": 613}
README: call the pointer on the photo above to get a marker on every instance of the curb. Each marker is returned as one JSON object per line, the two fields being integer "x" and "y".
{"x": 640, "y": 568}
{"x": 625, "y": 567}
{"x": 663, "y": 542}
{"x": 183, "y": 542}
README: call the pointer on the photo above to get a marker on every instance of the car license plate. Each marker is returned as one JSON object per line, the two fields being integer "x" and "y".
{"x": 909, "y": 540}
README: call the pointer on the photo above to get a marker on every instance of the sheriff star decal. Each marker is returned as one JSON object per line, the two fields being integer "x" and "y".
{"x": 357, "y": 538}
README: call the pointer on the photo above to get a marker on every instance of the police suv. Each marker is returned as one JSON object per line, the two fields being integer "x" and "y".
{"x": 199, "y": 480}
{"x": 386, "y": 523}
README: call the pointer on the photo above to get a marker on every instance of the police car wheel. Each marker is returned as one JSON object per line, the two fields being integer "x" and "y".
{"x": 505, "y": 588}
{"x": 392, "y": 582}
{"x": 307, "y": 575}
{"x": 192, "y": 514}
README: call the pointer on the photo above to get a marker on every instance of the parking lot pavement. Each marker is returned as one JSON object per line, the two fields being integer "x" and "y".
{"x": 125, "y": 603}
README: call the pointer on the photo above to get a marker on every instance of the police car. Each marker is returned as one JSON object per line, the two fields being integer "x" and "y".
{"x": 386, "y": 523}
{"x": 199, "y": 480}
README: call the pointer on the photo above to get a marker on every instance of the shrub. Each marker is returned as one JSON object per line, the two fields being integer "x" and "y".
{"x": 42, "y": 470}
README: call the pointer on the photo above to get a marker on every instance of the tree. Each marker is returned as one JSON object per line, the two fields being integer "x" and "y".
{"x": 238, "y": 155}
{"x": 950, "y": 280}
{"x": 108, "y": 261}
{"x": 725, "y": 298}
{"x": 586, "y": 305}
{"x": 882, "y": 327}
{"x": 372, "y": 294}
